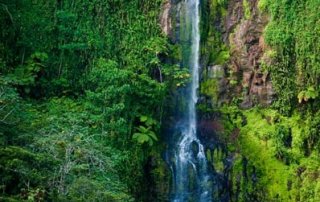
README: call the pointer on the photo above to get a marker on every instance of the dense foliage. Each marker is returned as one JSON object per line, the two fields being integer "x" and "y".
{"x": 85, "y": 87}
{"x": 83, "y": 91}
{"x": 278, "y": 147}
{"x": 282, "y": 154}
{"x": 274, "y": 151}
{"x": 293, "y": 33}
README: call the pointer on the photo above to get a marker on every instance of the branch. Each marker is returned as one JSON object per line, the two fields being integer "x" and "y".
{"x": 7, "y": 10}
{"x": 5, "y": 117}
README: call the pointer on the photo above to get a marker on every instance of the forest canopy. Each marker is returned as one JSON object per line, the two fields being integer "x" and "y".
{"x": 79, "y": 80}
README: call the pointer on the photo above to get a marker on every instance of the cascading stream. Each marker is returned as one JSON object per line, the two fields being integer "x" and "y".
{"x": 192, "y": 181}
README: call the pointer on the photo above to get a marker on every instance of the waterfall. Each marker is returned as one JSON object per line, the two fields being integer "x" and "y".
{"x": 191, "y": 179}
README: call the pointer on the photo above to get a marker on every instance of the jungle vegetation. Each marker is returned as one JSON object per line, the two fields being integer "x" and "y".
{"x": 83, "y": 91}
{"x": 86, "y": 86}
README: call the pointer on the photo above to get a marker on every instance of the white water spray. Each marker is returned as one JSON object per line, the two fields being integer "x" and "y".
{"x": 191, "y": 179}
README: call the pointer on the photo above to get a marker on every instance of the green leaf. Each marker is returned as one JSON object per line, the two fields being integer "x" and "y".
{"x": 136, "y": 135}
{"x": 153, "y": 135}
{"x": 143, "y": 118}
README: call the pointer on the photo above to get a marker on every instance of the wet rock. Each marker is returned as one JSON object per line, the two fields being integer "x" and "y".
{"x": 246, "y": 104}
{"x": 195, "y": 148}
{"x": 215, "y": 72}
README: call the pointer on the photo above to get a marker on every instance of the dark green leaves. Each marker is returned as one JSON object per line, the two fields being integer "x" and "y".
{"x": 76, "y": 78}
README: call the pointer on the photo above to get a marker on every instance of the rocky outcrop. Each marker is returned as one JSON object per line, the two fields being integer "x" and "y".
{"x": 170, "y": 19}
{"x": 241, "y": 29}
{"x": 247, "y": 47}
{"x": 165, "y": 18}
{"x": 234, "y": 73}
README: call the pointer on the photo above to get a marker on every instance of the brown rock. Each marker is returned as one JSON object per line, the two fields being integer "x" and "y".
{"x": 215, "y": 72}
{"x": 246, "y": 80}
{"x": 165, "y": 19}
{"x": 247, "y": 49}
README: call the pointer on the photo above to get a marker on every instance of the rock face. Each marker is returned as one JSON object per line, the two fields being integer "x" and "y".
{"x": 241, "y": 30}
{"x": 165, "y": 18}
{"x": 170, "y": 19}
{"x": 216, "y": 74}
{"x": 244, "y": 36}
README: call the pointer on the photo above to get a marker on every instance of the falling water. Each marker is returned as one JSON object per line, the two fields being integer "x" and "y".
{"x": 192, "y": 181}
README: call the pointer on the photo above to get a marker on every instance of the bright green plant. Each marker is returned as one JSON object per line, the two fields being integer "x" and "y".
{"x": 308, "y": 94}
{"x": 144, "y": 133}
{"x": 246, "y": 7}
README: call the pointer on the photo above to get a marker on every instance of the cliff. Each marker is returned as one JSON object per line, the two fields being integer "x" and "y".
{"x": 258, "y": 112}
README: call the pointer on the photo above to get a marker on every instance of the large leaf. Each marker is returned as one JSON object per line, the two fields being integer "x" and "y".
{"x": 143, "y": 118}
{"x": 153, "y": 135}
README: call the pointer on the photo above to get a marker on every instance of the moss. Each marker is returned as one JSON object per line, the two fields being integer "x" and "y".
{"x": 209, "y": 88}
{"x": 259, "y": 153}
{"x": 233, "y": 82}
{"x": 262, "y": 5}
{"x": 293, "y": 176}
{"x": 222, "y": 57}
{"x": 246, "y": 8}
{"x": 213, "y": 48}
{"x": 161, "y": 179}
{"x": 217, "y": 159}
